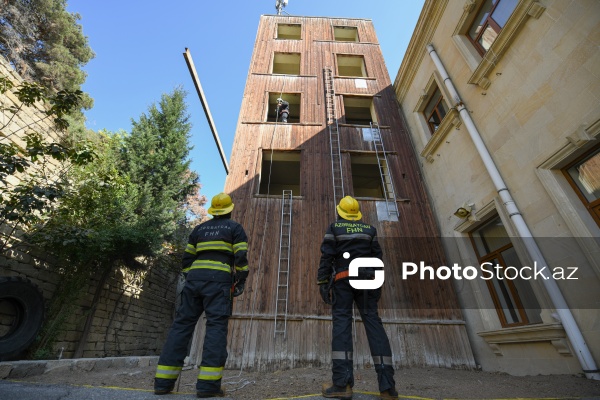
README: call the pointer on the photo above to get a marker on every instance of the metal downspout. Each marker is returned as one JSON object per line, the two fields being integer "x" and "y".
{"x": 586, "y": 360}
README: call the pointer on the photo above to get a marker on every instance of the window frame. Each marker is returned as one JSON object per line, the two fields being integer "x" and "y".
{"x": 496, "y": 255}
{"x": 481, "y": 67}
{"x": 592, "y": 207}
{"x": 435, "y": 110}
{"x": 487, "y": 21}
{"x": 431, "y": 141}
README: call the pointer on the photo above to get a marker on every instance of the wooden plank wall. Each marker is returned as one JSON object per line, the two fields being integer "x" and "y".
{"x": 422, "y": 318}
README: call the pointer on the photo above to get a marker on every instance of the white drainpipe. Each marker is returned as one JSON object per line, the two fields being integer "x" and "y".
{"x": 586, "y": 360}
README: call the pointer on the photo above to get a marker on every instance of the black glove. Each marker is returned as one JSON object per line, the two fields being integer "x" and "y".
{"x": 238, "y": 289}
{"x": 324, "y": 290}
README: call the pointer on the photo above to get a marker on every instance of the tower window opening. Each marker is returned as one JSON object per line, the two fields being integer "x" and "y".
{"x": 294, "y": 108}
{"x": 359, "y": 110}
{"x": 280, "y": 170}
{"x": 351, "y": 65}
{"x": 286, "y": 63}
{"x": 289, "y": 31}
{"x": 345, "y": 33}
{"x": 366, "y": 177}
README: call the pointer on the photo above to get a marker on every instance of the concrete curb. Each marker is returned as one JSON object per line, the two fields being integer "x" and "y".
{"x": 24, "y": 369}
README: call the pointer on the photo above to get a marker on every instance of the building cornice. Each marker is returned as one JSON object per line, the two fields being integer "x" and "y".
{"x": 426, "y": 26}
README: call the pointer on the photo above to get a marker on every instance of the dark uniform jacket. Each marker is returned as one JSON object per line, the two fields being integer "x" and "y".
{"x": 284, "y": 107}
{"x": 216, "y": 249}
{"x": 355, "y": 237}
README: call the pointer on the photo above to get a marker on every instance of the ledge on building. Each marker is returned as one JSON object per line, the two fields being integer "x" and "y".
{"x": 553, "y": 333}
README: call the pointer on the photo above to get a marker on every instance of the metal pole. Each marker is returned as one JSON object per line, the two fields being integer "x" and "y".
{"x": 583, "y": 353}
{"x": 211, "y": 123}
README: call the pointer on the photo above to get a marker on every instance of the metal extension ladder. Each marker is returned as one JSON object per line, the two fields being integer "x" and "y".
{"x": 387, "y": 184}
{"x": 334, "y": 137}
{"x": 283, "y": 272}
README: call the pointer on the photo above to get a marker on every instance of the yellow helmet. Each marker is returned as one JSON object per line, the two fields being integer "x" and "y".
{"x": 349, "y": 209}
{"x": 220, "y": 204}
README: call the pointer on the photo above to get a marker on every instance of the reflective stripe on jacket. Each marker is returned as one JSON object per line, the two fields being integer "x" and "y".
{"x": 216, "y": 249}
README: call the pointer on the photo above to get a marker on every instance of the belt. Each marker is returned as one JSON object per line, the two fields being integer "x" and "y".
{"x": 342, "y": 275}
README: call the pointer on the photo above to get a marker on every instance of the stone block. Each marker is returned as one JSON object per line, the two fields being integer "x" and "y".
{"x": 59, "y": 366}
{"x": 25, "y": 369}
{"x": 85, "y": 365}
{"x": 5, "y": 369}
{"x": 103, "y": 364}
{"x": 125, "y": 362}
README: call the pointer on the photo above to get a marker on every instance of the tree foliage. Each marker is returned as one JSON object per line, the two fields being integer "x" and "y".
{"x": 44, "y": 43}
{"x": 39, "y": 167}
{"x": 126, "y": 206}
{"x": 156, "y": 160}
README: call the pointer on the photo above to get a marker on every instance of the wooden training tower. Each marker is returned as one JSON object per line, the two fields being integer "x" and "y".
{"x": 345, "y": 136}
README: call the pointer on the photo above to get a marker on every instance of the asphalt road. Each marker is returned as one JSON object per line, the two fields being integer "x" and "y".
{"x": 11, "y": 390}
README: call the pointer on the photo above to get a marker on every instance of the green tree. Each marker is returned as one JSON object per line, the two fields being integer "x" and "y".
{"x": 156, "y": 159}
{"x": 128, "y": 202}
{"x": 45, "y": 43}
{"x": 39, "y": 167}
{"x": 126, "y": 208}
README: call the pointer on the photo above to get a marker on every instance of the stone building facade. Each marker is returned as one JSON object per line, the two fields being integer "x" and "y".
{"x": 528, "y": 78}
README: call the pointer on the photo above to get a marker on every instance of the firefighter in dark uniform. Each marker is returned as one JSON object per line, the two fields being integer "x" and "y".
{"x": 283, "y": 108}
{"x": 345, "y": 240}
{"x": 215, "y": 267}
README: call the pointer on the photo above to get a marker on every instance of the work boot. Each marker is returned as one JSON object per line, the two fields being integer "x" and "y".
{"x": 165, "y": 390}
{"x": 339, "y": 392}
{"x": 389, "y": 394}
{"x": 164, "y": 386}
{"x": 204, "y": 395}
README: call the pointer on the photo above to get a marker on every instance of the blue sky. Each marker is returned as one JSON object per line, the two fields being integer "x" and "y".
{"x": 139, "y": 56}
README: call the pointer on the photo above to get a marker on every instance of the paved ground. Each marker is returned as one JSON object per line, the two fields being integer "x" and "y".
{"x": 132, "y": 377}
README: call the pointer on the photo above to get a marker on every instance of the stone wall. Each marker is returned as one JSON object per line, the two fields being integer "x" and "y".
{"x": 134, "y": 311}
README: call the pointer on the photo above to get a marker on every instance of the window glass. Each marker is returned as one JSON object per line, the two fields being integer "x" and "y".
{"x": 479, "y": 22}
{"x": 435, "y": 98}
{"x": 586, "y": 175}
{"x": 487, "y": 38}
{"x": 508, "y": 305}
{"x": 435, "y": 110}
{"x": 503, "y": 10}
{"x": 489, "y": 21}
{"x": 513, "y": 296}
{"x": 491, "y": 237}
